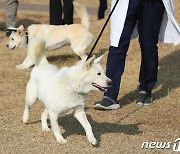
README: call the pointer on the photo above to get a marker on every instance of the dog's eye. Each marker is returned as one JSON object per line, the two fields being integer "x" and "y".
{"x": 98, "y": 73}
{"x": 12, "y": 39}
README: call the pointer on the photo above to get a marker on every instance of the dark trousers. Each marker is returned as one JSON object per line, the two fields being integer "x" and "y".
{"x": 57, "y": 10}
{"x": 102, "y": 8}
{"x": 149, "y": 14}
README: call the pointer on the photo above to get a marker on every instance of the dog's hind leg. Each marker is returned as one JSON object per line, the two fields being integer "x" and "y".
{"x": 55, "y": 128}
{"x": 44, "y": 117}
{"x": 79, "y": 50}
{"x": 82, "y": 55}
{"x": 30, "y": 99}
{"x": 80, "y": 115}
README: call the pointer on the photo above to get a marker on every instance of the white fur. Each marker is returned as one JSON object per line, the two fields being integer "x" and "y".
{"x": 77, "y": 36}
{"x": 63, "y": 91}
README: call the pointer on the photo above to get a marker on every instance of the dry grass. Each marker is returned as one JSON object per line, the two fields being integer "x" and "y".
{"x": 119, "y": 131}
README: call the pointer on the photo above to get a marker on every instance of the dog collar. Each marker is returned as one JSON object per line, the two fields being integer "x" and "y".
{"x": 27, "y": 38}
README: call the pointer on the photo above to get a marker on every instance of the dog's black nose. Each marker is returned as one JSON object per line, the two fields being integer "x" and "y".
{"x": 7, "y": 45}
{"x": 109, "y": 82}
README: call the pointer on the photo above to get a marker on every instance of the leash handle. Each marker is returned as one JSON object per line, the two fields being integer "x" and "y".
{"x": 102, "y": 30}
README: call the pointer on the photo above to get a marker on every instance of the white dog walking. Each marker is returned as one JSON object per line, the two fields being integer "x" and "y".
{"x": 78, "y": 36}
{"x": 63, "y": 91}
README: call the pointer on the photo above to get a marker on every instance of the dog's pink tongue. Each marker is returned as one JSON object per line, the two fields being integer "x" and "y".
{"x": 104, "y": 89}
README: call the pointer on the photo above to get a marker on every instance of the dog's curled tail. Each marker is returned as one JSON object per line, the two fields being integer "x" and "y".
{"x": 82, "y": 13}
{"x": 39, "y": 52}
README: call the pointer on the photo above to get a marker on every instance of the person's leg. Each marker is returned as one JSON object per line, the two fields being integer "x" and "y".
{"x": 102, "y": 8}
{"x": 11, "y": 13}
{"x": 117, "y": 55}
{"x": 150, "y": 19}
{"x": 55, "y": 8}
{"x": 68, "y": 11}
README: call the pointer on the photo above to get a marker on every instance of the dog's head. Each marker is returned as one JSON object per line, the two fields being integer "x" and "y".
{"x": 93, "y": 76}
{"x": 17, "y": 39}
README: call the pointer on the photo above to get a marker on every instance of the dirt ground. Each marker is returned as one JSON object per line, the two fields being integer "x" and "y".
{"x": 118, "y": 131}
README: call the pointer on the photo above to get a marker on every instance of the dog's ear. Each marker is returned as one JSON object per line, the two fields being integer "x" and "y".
{"x": 89, "y": 62}
{"x": 20, "y": 29}
{"x": 98, "y": 60}
{"x": 20, "y": 32}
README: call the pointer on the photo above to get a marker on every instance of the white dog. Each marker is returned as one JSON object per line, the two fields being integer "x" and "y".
{"x": 63, "y": 91}
{"x": 77, "y": 36}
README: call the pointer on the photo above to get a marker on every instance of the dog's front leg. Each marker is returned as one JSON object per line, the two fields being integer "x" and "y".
{"x": 55, "y": 128}
{"x": 80, "y": 115}
{"x": 21, "y": 65}
{"x": 26, "y": 64}
{"x": 44, "y": 117}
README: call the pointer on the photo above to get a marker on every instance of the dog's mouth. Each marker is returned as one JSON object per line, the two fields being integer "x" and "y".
{"x": 100, "y": 88}
{"x": 13, "y": 47}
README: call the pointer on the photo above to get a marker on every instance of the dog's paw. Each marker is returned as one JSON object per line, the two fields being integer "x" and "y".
{"x": 62, "y": 140}
{"x": 92, "y": 140}
{"x": 25, "y": 120}
{"x": 23, "y": 66}
{"x": 46, "y": 129}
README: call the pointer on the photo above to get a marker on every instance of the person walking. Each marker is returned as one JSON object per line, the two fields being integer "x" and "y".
{"x": 153, "y": 21}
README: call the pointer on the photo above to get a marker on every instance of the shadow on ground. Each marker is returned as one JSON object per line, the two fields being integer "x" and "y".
{"x": 72, "y": 126}
{"x": 62, "y": 58}
{"x": 70, "y": 57}
{"x": 25, "y": 22}
{"x": 169, "y": 74}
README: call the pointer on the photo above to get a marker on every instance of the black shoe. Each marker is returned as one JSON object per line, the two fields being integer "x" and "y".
{"x": 141, "y": 97}
{"x": 144, "y": 98}
{"x": 149, "y": 99}
{"x": 10, "y": 30}
{"x": 8, "y": 33}
{"x": 107, "y": 104}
